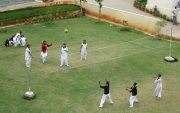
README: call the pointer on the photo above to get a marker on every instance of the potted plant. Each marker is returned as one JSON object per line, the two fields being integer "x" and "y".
{"x": 135, "y": 3}
{"x": 171, "y": 20}
{"x": 150, "y": 11}
{"x": 164, "y": 16}
{"x": 138, "y": 5}
{"x": 142, "y": 7}
{"x": 160, "y": 15}
{"x": 147, "y": 10}
{"x": 168, "y": 18}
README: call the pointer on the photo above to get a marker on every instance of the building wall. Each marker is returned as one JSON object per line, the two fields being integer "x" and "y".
{"x": 164, "y": 6}
{"x": 137, "y": 21}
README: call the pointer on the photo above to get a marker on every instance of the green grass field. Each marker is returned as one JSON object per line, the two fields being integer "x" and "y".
{"x": 120, "y": 57}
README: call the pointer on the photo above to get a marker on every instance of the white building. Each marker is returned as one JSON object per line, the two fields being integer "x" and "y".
{"x": 164, "y": 6}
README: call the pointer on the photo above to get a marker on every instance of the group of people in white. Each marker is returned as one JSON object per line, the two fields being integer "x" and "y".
{"x": 17, "y": 39}
{"x": 133, "y": 90}
{"x": 64, "y": 53}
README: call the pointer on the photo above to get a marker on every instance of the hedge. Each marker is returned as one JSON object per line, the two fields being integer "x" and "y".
{"x": 35, "y": 11}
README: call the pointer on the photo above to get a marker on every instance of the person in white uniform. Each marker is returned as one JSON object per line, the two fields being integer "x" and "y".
{"x": 28, "y": 56}
{"x": 106, "y": 94}
{"x": 158, "y": 89}
{"x": 64, "y": 55}
{"x": 17, "y": 38}
{"x": 83, "y": 50}
{"x": 23, "y": 40}
{"x": 133, "y": 90}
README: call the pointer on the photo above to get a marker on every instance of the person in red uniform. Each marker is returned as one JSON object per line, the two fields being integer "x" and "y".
{"x": 44, "y": 50}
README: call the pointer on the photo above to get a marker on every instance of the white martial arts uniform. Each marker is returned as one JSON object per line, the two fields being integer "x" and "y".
{"x": 16, "y": 39}
{"x": 158, "y": 87}
{"x": 64, "y": 56}
{"x": 83, "y": 51}
{"x": 27, "y": 57}
{"x": 23, "y": 41}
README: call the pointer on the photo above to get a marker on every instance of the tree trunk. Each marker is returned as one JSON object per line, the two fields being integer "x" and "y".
{"x": 99, "y": 14}
{"x": 81, "y": 8}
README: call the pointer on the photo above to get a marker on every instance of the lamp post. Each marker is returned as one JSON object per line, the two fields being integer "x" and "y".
{"x": 29, "y": 95}
{"x": 170, "y": 58}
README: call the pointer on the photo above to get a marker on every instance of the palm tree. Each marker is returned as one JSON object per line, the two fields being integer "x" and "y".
{"x": 100, "y": 6}
{"x": 81, "y": 6}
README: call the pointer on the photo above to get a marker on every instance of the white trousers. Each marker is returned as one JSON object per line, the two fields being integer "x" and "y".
{"x": 64, "y": 60}
{"x": 44, "y": 55}
{"x": 132, "y": 99}
{"x": 83, "y": 55}
{"x": 158, "y": 91}
{"x": 103, "y": 99}
{"x": 28, "y": 63}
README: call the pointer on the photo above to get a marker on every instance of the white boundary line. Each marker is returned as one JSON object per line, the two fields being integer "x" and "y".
{"x": 107, "y": 59}
{"x": 120, "y": 43}
{"x": 108, "y": 46}
{"x": 115, "y": 44}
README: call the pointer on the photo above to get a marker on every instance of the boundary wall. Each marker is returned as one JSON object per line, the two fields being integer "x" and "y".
{"x": 140, "y": 22}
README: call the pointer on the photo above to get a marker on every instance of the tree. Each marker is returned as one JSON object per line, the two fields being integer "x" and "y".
{"x": 159, "y": 25}
{"x": 100, "y": 6}
{"x": 81, "y": 6}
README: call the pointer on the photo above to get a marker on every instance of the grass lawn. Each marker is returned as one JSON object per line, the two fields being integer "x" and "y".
{"x": 121, "y": 57}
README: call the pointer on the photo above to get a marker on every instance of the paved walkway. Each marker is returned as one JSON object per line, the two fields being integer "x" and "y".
{"x": 126, "y": 5}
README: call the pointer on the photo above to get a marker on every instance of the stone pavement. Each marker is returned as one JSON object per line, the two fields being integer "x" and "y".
{"x": 126, "y": 5}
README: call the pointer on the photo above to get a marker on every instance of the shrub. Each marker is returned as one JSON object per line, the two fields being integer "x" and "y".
{"x": 164, "y": 16}
{"x": 126, "y": 29}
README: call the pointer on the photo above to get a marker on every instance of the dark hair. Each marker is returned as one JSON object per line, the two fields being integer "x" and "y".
{"x": 135, "y": 83}
{"x": 159, "y": 75}
{"x": 28, "y": 45}
{"x": 64, "y": 43}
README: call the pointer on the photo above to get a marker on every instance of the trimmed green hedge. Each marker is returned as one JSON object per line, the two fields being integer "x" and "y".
{"x": 35, "y": 11}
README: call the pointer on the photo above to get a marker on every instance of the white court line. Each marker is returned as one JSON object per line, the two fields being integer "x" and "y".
{"x": 114, "y": 45}
{"x": 120, "y": 43}
{"x": 105, "y": 47}
{"x": 107, "y": 59}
